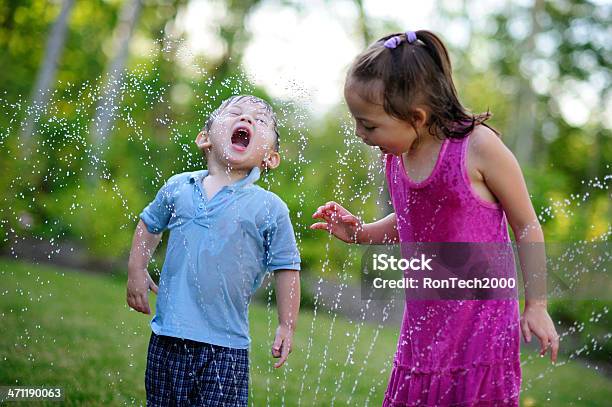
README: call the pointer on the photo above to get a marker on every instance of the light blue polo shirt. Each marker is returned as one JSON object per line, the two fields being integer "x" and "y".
{"x": 218, "y": 253}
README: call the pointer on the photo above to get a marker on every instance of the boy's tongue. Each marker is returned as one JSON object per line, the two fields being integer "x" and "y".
{"x": 240, "y": 139}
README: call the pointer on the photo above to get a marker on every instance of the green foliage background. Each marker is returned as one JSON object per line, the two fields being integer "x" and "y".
{"x": 165, "y": 99}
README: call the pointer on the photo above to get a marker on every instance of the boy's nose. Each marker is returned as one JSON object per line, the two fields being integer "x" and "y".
{"x": 248, "y": 119}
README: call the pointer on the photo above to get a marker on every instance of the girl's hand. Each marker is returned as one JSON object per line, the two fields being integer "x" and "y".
{"x": 536, "y": 320}
{"x": 281, "y": 348}
{"x": 339, "y": 222}
{"x": 138, "y": 287}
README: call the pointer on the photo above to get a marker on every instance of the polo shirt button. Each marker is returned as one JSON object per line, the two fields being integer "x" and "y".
{"x": 200, "y": 206}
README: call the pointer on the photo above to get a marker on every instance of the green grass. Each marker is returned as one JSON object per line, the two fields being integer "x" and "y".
{"x": 74, "y": 330}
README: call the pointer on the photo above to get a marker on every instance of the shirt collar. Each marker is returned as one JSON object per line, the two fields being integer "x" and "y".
{"x": 251, "y": 178}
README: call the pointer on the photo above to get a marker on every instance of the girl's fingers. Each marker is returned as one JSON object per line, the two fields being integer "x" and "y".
{"x": 322, "y": 211}
{"x": 526, "y": 331}
{"x": 332, "y": 208}
{"x": 555, "y": 348}
{"x": 544, "y": 339}
{"x": 352, "y": 219}
{"x": 325, "y": 215}
{"x": 320, "y": 226}
{"x": 330, "y": 204}
{"x": 543, "y": 345}
{"x": 318, "y": 213}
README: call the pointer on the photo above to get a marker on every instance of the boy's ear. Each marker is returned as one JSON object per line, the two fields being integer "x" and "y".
{"x": 203, "y": 141}
{"x": 271, "y": 160}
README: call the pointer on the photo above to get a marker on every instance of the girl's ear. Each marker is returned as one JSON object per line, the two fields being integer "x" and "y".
{"x": 271, "y": 160}
{"x": 419, "y": 117}
{"x": 203, "y": 141}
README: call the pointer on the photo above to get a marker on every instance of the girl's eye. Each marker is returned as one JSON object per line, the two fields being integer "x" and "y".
{"x": 262, "y": 121}
{"x": 234, "y": 113}
{"x": 366, "y": 128}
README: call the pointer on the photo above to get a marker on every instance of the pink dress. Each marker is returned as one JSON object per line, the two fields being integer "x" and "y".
{"x": 452, "y": 352}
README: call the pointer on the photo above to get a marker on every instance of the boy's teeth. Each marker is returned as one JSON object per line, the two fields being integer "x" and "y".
{"x": 241, "y": 137}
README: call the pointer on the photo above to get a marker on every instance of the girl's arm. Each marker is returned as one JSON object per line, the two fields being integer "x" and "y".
{"x": 350, "y": 229}
{"x": 383, "y": 231}
{"x": 144, "y": 244}
{"x": 502, "y": 175}
{"x": 288, "y": 304}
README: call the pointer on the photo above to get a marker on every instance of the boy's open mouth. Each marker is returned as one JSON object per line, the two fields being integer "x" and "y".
{"x": 241, "y": 138}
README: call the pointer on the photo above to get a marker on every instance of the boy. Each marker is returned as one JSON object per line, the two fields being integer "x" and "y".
{"x": 225, "y": 233}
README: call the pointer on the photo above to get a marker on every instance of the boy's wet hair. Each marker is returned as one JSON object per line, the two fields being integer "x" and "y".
{"x": 413, "y": 73}
{"x": 238, "y": 98}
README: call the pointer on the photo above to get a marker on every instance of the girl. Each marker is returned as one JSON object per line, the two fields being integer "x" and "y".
{"x": 451, "y": 179}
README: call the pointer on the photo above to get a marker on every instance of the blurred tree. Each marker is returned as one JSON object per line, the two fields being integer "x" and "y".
{"x": 385, "y": 206}
{"x": 529, "y": 63}
{"x": 363, "y": 23}
{"x": 525, "y": 118}
{"x": 232, "y": 31}
{"x": 45, "y": 80}
{"x": 166, "y": 96}
{"x": 105, "y": 111}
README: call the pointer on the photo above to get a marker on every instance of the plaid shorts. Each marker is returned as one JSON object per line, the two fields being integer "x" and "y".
{"x": 181, "y": 372}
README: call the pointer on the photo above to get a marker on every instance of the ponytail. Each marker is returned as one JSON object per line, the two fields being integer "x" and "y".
{"x": 414, "y": 68}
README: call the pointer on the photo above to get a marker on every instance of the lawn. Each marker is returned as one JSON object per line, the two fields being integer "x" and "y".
{"x": 74, "y": 330}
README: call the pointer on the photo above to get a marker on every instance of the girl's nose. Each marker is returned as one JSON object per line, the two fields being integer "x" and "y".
{"x": 362, "y": 137}
{"x": 366, "y": 140}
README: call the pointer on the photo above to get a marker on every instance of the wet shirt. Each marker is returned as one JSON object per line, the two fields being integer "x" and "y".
{"x": 218, "y": 253}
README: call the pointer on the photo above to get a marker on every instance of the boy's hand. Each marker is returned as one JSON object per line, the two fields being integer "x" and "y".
{"x": 339, "y": 222}
{"x": 535, "y": 319}
{"x": 138, "y": 287}
{"x": 281, "y": 348}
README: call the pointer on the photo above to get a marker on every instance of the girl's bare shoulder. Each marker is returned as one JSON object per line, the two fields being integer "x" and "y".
{"x": 485, "y": 147}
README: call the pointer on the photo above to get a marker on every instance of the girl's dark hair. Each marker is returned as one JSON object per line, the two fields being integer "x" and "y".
{"x": 414, "y": 73}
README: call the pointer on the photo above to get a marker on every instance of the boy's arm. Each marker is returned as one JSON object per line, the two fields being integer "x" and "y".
{"x": 139, "y": 282}
{"x": 504, "y": 178}
{"x": 288, "y": 304}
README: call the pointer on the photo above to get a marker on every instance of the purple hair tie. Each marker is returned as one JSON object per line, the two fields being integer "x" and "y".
{"x": 393, "y": 42}
{"x": 411, "y": 36}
